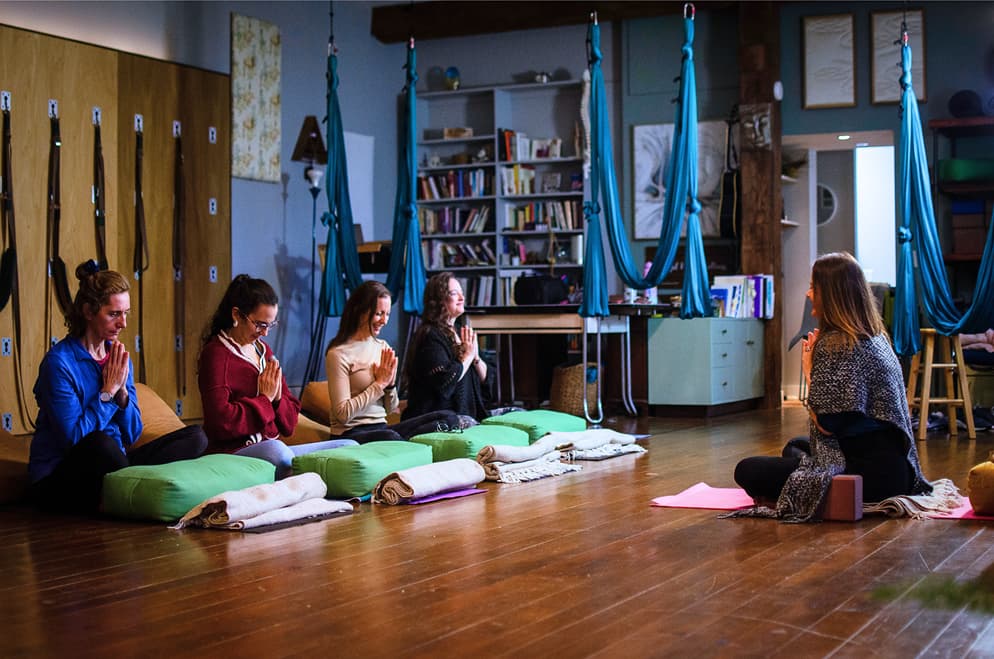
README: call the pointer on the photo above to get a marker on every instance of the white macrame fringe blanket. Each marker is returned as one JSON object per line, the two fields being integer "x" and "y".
{"x": 529, "y": 470}
{"x": 945, "y": 497}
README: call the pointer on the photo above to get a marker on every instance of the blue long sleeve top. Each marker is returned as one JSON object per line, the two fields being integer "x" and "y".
{"x": 69, "y": 406}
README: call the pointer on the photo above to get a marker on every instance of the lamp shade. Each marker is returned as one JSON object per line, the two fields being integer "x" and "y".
{"x": 310, "y": 146}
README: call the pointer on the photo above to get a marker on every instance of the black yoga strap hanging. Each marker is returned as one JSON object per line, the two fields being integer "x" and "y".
{"x": 140, "y": 262}
{"x": 99, "y": 207}
{"x": 8, "y": 262}
{"x": 56, "y": 266}
{"x": 179, "y": 239}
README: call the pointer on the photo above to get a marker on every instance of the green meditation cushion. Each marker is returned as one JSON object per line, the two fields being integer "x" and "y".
{"x": 538, "y": 423}
{"x": 167, "y": 492}
{"x": 466, "y": 444}
{"x": 352, "y": 471}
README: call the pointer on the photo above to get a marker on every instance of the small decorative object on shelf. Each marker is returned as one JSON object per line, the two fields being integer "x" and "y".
{"x": 452, "y": 78}
{"x": 542, "y": 77}
{"x": 457, "y": 133}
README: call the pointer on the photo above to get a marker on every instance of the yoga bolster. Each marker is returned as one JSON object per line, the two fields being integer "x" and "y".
{"x": 352, "y": 471}
{"x": 166, "y": 492}
{"x": 538, "y": 423}
{"x": 466, "y": 444}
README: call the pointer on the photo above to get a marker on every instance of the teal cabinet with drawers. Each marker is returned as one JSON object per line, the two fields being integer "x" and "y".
{"x": 705, "y": 361}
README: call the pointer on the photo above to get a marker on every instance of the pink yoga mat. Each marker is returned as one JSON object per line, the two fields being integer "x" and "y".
{"x": 703, "y": 495}
{"x": 963, "y": 512}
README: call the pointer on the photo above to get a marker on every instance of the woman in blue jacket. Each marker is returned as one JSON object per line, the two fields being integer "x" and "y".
{"x": 88, "y": 413}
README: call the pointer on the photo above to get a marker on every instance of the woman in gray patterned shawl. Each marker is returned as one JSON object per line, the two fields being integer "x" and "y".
{"x": 859, "y": 413}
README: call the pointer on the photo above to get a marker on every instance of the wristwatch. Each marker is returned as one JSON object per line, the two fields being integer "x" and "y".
{"x": 106, "y": 397}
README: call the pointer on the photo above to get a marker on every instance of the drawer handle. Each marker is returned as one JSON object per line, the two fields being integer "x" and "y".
{"x": 724, "y": 384}
{"x": 724, "y": 331}
{"x": 750, "y": 343}
{"x": 724, "y": 354}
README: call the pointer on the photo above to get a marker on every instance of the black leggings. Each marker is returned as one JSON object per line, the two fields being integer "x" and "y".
{"x": 404, "y": 430}
{"x": 879, "y": 457}
{"x": 76, "y": 483}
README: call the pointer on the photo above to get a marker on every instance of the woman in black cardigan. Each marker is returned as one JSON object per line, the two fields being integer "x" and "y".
{"x": 443, "y": 369}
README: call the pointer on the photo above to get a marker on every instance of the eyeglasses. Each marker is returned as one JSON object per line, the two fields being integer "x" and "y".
{"x": 456, "y": 294}
{"x": 259, "y": 325}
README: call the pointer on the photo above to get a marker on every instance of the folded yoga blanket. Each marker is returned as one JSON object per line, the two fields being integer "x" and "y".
{"x": 596, "y": 443}
{"x": 293, "y": 498}
{"x": 944, "y": 500}
{"x": 509, "y": 453}
{"x": 428, "y": 480}
{"x": 545, "y": 465}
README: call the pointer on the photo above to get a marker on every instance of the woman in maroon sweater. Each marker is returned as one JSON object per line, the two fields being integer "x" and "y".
{"x": 247, "y": 403}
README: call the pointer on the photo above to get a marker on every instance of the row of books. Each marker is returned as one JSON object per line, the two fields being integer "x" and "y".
{"x": 454, "y": 219}
{"x": 517, "y": 180}
{"x": 479, "y": 291}
{"x": 515, "y": 145}
{"x": 441, "y": 254}
{"x": 455, "y": 184}
{"x": 743, "y": 296}
{"x": 562, "y": 215}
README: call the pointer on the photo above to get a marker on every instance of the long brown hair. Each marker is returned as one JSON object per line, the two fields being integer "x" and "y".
{"x": 360, "y": 306}
{"x": 434, "y": 315}
{"x": 846, "y": 304}
{"x": 95, "y": 288}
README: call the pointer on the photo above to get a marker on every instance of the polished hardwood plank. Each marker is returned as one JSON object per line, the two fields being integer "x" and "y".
{"x": 578, "y": 565}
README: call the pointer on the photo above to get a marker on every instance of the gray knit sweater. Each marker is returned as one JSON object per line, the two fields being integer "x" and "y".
{"x": 866, "y": 378}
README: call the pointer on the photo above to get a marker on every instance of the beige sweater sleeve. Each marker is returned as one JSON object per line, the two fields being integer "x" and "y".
{"x": 355, "y": 395}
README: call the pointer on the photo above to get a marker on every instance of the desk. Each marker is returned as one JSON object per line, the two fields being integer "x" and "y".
{"x": 563, "y": 319}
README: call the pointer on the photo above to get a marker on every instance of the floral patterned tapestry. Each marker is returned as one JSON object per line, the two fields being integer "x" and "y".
{"x": 255, "y": 99}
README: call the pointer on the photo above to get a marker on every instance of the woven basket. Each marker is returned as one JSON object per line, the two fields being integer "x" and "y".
{"x": 566, "y": 394}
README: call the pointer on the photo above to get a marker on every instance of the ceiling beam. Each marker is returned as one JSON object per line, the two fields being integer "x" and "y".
{"x": 444, "y": 18}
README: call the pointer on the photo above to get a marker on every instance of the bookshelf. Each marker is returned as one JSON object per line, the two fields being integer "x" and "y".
{"x": 500, "y": 185}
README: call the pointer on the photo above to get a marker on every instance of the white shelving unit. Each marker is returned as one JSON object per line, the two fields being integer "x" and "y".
{"x": 533, "y": 220}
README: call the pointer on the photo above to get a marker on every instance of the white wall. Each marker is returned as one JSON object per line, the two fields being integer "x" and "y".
{"x": 876, "y": 216}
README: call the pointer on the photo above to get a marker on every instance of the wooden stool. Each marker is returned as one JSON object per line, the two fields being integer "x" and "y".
{"x": 946, "y": 345}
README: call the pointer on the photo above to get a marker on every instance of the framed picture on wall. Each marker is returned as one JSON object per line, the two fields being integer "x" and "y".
{"x": 829, "y": 62}
{"x": 885, "y": 58}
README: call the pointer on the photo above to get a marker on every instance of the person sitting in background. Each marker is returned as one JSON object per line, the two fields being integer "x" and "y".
{"x": 859, "y": 421}
{"x": 247, "y": 403}
{"x": 362, "y": 372}
{"x": 88, "y": 413}
{"x": 444, "y": 369}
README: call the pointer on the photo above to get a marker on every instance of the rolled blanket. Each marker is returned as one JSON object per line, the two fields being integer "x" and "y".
{"x": 240, "y": 505}
{"x": 298, "y": 511}
{"x": 945, "y": 497}
{"x": 596, "y": 443}
{"x": 427, "y": 480}
{"x": 528, "y": 470}
{"x": 505, "y": 453}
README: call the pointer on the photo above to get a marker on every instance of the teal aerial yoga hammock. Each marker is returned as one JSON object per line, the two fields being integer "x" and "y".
{"x": 407, "y": 270}
{"x": 341, "y": 255}
{"x": 917, "y": 236}
{"x": 681, "y": 195}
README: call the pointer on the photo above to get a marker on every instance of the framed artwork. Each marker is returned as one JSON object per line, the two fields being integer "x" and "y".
{"x": 885, "y": 59}
{"x": 829, "y": 62}
{"x": 255, "y": 99}
{"x": 652, "y": 146}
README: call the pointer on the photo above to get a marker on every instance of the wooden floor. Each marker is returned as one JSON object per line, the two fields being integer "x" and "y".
{"x": 578, "y": 565}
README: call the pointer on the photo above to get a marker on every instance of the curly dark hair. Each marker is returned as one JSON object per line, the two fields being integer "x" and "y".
{"x": 95, "y": 288}
{"x": 244, "y": 293}
{"x": 360, "y": 305}
{"x": 434, "y": 316}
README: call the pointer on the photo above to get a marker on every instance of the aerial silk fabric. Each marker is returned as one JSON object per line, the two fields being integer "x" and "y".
{"x": 342, "y": 255}
{"x": 920, "y": 258}
{"x": 681, "y": 197}
{"x": 407, "y": 270}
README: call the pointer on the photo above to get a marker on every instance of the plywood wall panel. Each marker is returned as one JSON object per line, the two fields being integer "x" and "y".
{"x": 36, "y": 67}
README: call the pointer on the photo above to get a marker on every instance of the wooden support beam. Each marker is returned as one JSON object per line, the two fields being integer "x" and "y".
{"x": 762, "y": 203}
{"x": 443, "y": 18}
